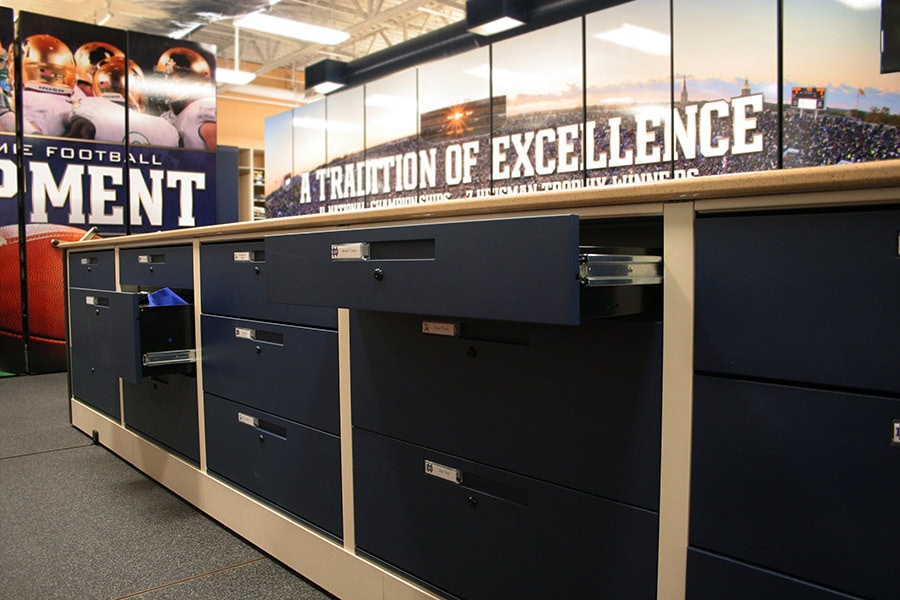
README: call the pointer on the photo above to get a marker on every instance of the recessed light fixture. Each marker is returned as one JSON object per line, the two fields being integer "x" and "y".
{"x": 231, "y": 76}
{"x": 325, "y": 76}
{"x": 266, "y": 23}
{"x": 490, "y": 17}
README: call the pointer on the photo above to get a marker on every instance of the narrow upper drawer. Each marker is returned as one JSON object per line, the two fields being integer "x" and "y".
{"x": 95, "y": 270}
{"x": 522, "y": 269}
{"x": 165, "y": 266}
{"x": 233, "y": 279}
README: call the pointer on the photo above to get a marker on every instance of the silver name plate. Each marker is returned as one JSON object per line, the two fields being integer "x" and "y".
{"x": 351, "y": 251}
{"x": 441, "y": 472}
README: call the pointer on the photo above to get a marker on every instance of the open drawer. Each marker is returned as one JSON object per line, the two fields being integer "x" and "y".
{"x": 131, "y": 340}
{"x": 522, "y": 269}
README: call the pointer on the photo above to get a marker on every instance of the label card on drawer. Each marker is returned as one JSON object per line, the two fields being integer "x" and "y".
{"x": 896, "y": 440}
{"x": 440, "y": 328}
{"x": 351, "y": 251}
{"x": 441, "y": 472}
{"x": 247, "y": 420}
{"x": 242, "y": 257}
{"x": 244, "y": 333}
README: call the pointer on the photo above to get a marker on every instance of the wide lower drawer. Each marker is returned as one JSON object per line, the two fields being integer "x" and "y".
{"x": 287, "y": 464}
{"x": 797, "y": 480}
{"x": 156, "y": 267}
{"x": 164, "y": 409}
{"x": 479, "y": 532}
{"x": 577, "y": 406}
{"x": 715, "y": 577}
{"x": 233, "y": 279}
{"x": 801, "y": 297}
{"x": 286, "y": 370}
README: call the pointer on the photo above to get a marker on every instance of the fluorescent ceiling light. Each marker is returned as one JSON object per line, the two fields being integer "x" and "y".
{"x": 861, "y": 4}
{"x": 235, "y": 77}
{"x": 293, "y": 29}
{"x": 638, "y": 38}
{"x": 497, "y": 26}
{"x": 326, "y": 87}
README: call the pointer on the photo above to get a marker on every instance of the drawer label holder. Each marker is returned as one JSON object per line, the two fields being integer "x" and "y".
{"x": 443, "y": 472}
{"x": 440, "y": 328}
{"x": 896, "y": 439}
{"x": 350, "y": 251}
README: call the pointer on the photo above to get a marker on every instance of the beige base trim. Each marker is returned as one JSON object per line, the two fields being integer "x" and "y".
{"x": 316, "y": 557}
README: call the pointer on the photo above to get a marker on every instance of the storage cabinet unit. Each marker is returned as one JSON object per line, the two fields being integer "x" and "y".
{"x": 270, "y": 387}
{"x": 681, "y": 390}
{"x": 796, "y": 399}
{"x": 436, "y": 374}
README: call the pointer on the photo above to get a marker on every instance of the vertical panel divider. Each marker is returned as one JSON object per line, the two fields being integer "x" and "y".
{"x": 678, "y": 370}
{"x": 346, "y": 430}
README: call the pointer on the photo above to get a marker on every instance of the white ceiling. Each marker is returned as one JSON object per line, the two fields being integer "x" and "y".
{"x": 373, "y": 25}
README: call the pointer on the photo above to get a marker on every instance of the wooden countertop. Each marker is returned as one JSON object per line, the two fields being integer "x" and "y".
{"x": 835, "y": 178}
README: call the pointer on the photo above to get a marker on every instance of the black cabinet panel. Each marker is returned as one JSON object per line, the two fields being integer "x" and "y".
{"x": 95, "y": 270}
{"x": 95, "y": 386}
{"x": 233, "y": 279}
{"x": 522, "y": 269}
{"x": 164, "y": 409}
{"x": 157, "y": 267}
{"x": 496, "y": 534}
{"x": 291, "y": 466}
{"x": 286, "y": 370}
{"x": 798, "y": 480}
{"x": 806, "y": 297}
{"x": 577, "y": 406}
{"x": 712, "y": 577}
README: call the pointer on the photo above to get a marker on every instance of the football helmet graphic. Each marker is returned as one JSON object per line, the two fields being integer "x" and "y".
{"x": 89, "y": 55}
{"x": 183, "y": 64}
{"x": 47, "y": 65}
{"x": 110, "y": 77}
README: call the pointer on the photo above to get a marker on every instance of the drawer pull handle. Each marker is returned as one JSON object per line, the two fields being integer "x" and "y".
{"x": 378, "y": 274}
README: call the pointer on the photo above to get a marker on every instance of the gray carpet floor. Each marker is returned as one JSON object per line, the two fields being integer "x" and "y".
{"x": 78, "y": 522}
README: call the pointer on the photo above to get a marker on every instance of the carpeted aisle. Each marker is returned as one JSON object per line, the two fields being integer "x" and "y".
{"x": 78, "y": 522}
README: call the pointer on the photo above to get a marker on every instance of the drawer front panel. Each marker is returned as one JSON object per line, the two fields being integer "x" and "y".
{"x": 164, "y": 409}
{"x": 799, "y": 481}
{"x": 93, "y": 270}
{"x": 165, "y": 266}
{"x": 513, "y": 269}
{"x": 96, "y": 387}
{"x": 710, "y": 576}
{"x": 233, "y": 283}
{"x": 801, "y": 297}
{"x": 495, "y": 535}
{"x": 288, "y": 371}
{"x": 577, "y": 406}
{"x": 291, "y": 466}
{"x": 105, "y": 326}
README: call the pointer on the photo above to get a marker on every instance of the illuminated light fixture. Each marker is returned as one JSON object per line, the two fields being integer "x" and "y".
{"x": 265, "y": 23}
{"x": 104, "y": 20}
{"x": 490, "y": 17}
{"x": 326, "y": 76}
{"x": 638, "y": 38}
{"x": 235, "y": 76}
{"x": 230, "y": 76}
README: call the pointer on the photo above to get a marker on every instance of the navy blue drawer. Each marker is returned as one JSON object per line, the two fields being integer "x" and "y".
{"x": 95, "y": 386}
{"x": 117, "y": 332}
{"x": 286, "y": 370}
{"x": 233, "y": 283}
{"x": 164, "y": 266}
{"x": 800, "y": 481}
{"x": 291, "y": 466}
{"x": 164, "y": 409}
{"x": 93, "y": 270}
{"x": 714, "y": 577}
{"x": 577, "y": 406}
{"x": 802, "y": 297}
{"x": 495, "y": 534}
{"x": 522, "y": 269}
